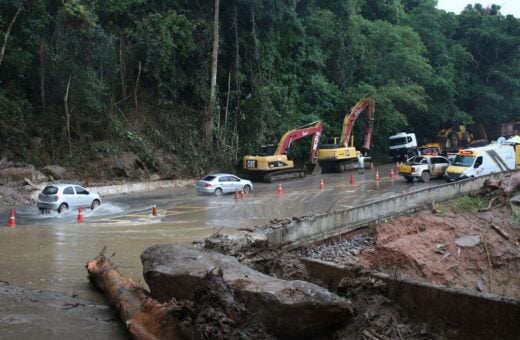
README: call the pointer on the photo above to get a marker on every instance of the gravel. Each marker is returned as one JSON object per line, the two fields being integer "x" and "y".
{"x": 339, "y": 251}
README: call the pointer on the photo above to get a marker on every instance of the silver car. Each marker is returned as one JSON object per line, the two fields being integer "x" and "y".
{"x": 62, "y": 197}
{"x": 220, "y": 183}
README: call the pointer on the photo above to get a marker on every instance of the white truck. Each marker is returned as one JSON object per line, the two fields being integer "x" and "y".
{"x": 424, "y": 167}
{"x": 473, "y": 162}
{"x": 400, "y": 144}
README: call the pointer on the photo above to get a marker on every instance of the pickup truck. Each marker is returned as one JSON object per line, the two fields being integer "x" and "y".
{"x": 424, "y": 167}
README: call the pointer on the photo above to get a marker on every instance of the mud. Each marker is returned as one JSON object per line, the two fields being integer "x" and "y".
{"x": 429, "y": 246}
{"x": 36, "y": 314}
{"x": 424, "y": 247}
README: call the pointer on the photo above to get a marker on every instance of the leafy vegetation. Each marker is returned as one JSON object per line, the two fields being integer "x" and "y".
{"x": 469, "y": 204}
{"x": 104, "y": 77}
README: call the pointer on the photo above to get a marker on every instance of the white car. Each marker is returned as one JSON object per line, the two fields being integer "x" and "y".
{"x": 221, "y": 183}
{"x": 62, "y": 197}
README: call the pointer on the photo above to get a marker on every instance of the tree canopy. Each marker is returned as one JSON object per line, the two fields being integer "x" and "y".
{"x": 111, "y": 76}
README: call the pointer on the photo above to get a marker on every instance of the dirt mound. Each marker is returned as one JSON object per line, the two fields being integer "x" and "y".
{"x": 430, "y": 247}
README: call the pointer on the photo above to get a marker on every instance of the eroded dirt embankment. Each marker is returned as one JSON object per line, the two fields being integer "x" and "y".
{"x": 445, "y": 246}
{"x": 450, "y": 244}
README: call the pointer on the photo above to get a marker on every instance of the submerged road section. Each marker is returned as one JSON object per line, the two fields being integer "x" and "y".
{"x": 50, "y": 251}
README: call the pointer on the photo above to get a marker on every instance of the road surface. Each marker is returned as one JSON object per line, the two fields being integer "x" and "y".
{"x": 49, "y": 252}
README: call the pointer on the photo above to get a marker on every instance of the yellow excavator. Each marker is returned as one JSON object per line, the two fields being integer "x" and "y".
{"x": 341, "y": 156}
{"x": 272, "y": 166}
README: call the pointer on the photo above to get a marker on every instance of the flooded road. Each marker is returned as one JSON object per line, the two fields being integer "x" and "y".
{"x": 49, "y": 252}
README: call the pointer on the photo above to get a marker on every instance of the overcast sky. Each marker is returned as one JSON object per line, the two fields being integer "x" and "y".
{"x": 506, "y": 6}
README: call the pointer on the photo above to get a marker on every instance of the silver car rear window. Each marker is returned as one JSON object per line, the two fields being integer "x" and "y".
{"x": 209, "y": 178}
{"x": 50, "y": 190}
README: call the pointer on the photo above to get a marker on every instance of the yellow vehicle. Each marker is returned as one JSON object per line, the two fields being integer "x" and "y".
{"x": 453, "y": 139}
{"x": 341, "y": 156}
{"x": 274, "y": 166}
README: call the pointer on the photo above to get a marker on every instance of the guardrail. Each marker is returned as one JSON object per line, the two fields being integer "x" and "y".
{"x": 326, "y": 225}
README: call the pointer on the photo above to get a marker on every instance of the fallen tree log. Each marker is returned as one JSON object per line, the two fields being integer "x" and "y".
{"x": 145, "y": 317}
{"x": 214, "y": 313}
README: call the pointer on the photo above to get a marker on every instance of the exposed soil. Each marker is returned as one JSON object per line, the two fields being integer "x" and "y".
{"x": 445, "y": 245}
{"x": 423, "y": 246}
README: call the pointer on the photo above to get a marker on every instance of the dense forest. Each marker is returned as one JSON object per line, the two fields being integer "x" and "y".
{"x": 188, "y": 85}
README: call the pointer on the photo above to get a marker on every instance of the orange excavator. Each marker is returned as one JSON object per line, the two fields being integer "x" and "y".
{"x": 340, "y": 156}
{"x": 270, "y": 166}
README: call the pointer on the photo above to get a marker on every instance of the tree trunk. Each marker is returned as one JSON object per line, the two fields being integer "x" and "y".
{"x": 42, "y": 75}
{"x": 67, "y": 116}
{"x": 7, "y": 32}
{"x": 122, "y": 65}
{"x": 255, "y": 40}
{"x": 140, "y": 67}
{"x": 144, "y": 317}
{"x": 227, "y": 102}
{"x": 237, "y": 64}
{"x": 214, "y": 64}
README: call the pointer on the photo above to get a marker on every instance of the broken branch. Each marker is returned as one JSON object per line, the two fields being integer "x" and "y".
{"x": 500, "y": 231}
{"x": 490, "y": 267}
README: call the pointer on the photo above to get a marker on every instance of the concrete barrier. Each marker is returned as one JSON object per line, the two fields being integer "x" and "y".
{"x": 474, "y": 315}
{"x": 108, "y": 190}
{"x": 125, "y": 188}
{"x": 326, "y": 225}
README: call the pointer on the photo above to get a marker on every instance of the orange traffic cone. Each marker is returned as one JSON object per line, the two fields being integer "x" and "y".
{"x": 322, "y": 185}
{"x": 372, "y": 166}
{"x": 236, "y": 194}
{"x": 12, "y": 220}
{"x": 154, "y": 210}
{"x": 377, "y": 175}
{"x": 279, "y": 192}
{"x": 241, "y": 194}
{"x": 392, "y": 175}
{"x": 352, "y": 181}
{"x": 80, "y": 215}
{"x": 397, "y": 166}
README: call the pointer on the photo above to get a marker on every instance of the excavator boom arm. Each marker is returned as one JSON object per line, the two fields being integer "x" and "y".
{"x": 314, "y": 129}
{"x": 348, "y": 123}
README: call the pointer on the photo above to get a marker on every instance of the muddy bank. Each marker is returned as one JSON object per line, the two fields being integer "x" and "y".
{"x": 449, "y": 247}
{"x": 451, "y": 244}
{"x": 35, "y": 314}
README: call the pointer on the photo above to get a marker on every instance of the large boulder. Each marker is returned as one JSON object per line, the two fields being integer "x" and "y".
{"x": 127, "y": 164}
{"x": 55, "y": 171}
{"x": 288, "y": 308}
{"x": 19, "y": 174}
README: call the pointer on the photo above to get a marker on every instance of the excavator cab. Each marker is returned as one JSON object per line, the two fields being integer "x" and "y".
{"x": 268, "y": 165}
{"x": 341, "y": 155}
{"x": 265, "y": 150}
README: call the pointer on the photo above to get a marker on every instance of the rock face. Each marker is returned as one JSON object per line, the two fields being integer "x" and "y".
{"x": 129, "y": 165}
{"x": 288, "y": 308}
{"x": 56, "y": 171}
{"x": 19, "y": 174}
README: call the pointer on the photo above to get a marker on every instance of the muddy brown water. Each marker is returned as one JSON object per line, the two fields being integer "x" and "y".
{"x": 50, "y": 252}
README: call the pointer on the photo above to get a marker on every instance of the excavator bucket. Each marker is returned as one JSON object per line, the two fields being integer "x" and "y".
{"x": 312, "y": 168}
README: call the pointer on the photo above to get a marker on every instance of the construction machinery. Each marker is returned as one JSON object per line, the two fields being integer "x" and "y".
{"x": 270, "y": 166}
{"x": 340, "y": 156}
{"x": 454, "y": 138}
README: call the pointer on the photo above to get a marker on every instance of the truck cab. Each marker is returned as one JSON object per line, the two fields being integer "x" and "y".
{"x": 400, "y": 144}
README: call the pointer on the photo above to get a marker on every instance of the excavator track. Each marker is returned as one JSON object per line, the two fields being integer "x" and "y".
{"x": 283, "y": 175}
{"x": 344, "y": 166}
